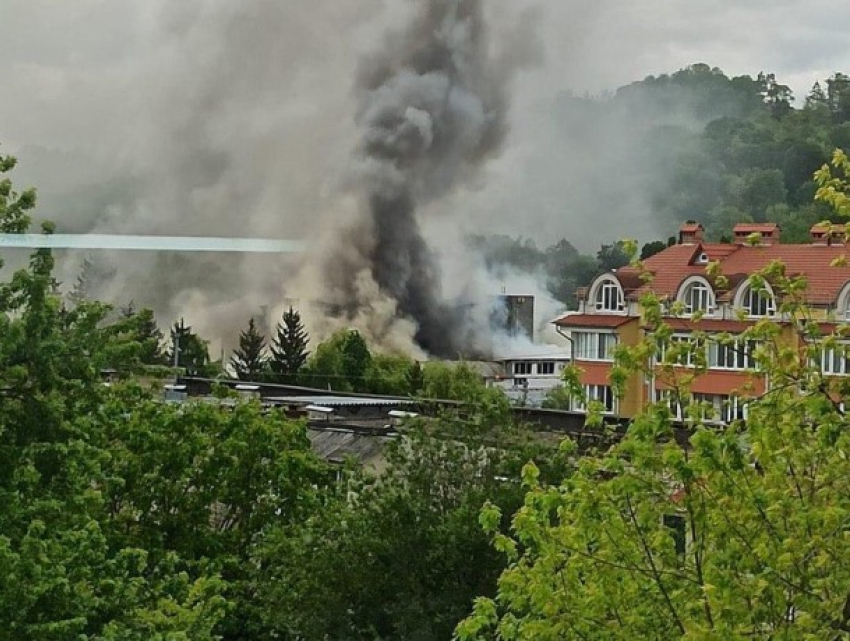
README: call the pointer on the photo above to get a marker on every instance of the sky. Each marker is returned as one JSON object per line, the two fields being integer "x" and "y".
{"x": 214, "y": 117}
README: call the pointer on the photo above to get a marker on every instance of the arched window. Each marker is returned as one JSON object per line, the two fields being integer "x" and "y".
{"x": 698, "y": 297}
{"x": 609, "y": 297}
{"x": 842, "y": 306}
{"x": 758, "y": 302}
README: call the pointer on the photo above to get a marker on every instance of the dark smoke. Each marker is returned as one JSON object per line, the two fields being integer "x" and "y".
{"x": 432, "y": 111}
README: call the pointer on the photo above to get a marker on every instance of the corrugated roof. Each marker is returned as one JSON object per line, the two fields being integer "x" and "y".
{"x": 338, "y": 445}
{"x": 338, "y": 401}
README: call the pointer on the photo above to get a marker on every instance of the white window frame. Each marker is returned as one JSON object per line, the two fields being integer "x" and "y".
{"x": 836, "y": 360}
{"x": 523, "y": 368}
{"x": 699, "y": 291}
{"x": 750, "y": 299}
{"x": 689, "y": 354}
{"x": 590, "y": 346}
{"x": 722, "y": 408}
{"x": 740, "y": 352}
{"x": 843, "y": 304}
{"x": 548, "y": 366}
{"x": 602, "y": 393}
{"x": 608, "y": 296}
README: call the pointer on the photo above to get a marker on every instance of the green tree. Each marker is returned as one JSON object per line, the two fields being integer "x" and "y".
{"x": 777, "y": 97}
{"x": 415, "y": 378}
{"x": 201, "y": 484}
{"x": 289, "y": 351}
{"x": 81, "y": 291}
{"x": 356, "y": 360}
{"x": 389, "y": 374}
{"x": 249, "y": 360}
{"x": 63, "y": 575}
{"x": 612, "y": 256}
{"x": 143, "y": 329}
{"x": 739, "y": 532}
{"x": 834, "y": 183}
{"x": 838, "y": 96}
{"x": 400, "y": 555}
{"x": 652, "y": 248}
{"x": 192, "y": 353}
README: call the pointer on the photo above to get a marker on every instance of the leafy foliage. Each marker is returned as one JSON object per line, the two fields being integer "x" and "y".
{"x": 400, "y": 555}
{"x": 64, "y": 576}
{"x": 192, "y": 353}
{"x": 738, "y": 533}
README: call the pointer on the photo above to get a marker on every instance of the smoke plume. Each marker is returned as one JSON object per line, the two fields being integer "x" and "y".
{"x": 432, "y": 111}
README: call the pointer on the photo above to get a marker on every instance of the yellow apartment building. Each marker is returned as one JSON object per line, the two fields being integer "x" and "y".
{"x": 610, "y": 314}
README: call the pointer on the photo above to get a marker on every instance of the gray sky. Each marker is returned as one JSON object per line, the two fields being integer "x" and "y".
{"x": 65, "y": 65}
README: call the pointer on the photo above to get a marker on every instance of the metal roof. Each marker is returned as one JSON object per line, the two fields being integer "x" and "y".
{"x": 337, "y": 445}
{"x": 341, "y": 401}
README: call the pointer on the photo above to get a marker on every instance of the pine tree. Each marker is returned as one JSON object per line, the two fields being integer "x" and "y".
{"x": 192, "y": 352}
{"x": 149, "y": 336}
{"x": 415, "y": 378}
{"x": 81, "y": 291}
{"x": 249, "y": 360}
{"x": 289, "y": 346}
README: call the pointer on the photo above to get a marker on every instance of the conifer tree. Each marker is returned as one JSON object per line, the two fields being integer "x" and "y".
{"x": 249, "y": 360}
{"x": 149, "y": 336}
{"x": 192, "y": 352}
{"x": 289, "y": 346}
{"x": 81, "y": 291}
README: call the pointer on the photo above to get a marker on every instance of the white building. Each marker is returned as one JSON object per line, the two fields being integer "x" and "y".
{"x": 529, "y": 378}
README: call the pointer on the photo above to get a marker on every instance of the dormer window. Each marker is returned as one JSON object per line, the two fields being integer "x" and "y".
{"x": 609, "y": 297}
{"x": 698, "y": 298}
{"x": 758, "y": 303}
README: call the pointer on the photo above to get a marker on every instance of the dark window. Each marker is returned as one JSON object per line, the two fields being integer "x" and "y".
{"x": 676, "y": 524}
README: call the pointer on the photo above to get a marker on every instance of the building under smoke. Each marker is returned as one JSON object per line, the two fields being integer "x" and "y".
{"x": 514, "y": 315}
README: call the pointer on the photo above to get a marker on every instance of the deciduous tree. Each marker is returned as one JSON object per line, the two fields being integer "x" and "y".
{"x": 694, "y": 530}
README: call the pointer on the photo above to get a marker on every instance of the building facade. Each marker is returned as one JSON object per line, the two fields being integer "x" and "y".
{"x": 709, "y": 309}
{"x": 528, "y": 379}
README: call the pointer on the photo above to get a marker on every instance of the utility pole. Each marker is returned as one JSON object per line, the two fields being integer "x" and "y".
{"x": 176, "y": 349}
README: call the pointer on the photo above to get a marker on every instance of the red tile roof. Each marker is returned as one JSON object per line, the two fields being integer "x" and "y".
{"x": 836, "y": 228}
{"x": 673, "y": 265}
{"x": 691, "y": 227}
{"x": 593, "y": 320}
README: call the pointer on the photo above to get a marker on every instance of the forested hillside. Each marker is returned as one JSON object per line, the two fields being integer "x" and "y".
{"x": 692, "y": 145}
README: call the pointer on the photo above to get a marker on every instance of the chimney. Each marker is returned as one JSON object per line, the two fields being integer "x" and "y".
{"x": 828, "y": 234}
{"x": 691, "y": 233}
{"x": 763, "y": 233}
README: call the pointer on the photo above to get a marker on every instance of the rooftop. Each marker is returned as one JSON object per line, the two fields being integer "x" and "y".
{"x": 821, "y": 265}
{"x": 339, "y": 401}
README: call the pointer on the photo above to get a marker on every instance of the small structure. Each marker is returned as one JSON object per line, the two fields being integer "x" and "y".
{"x": 333, "y": 407}
{"x": 513, "y": 315}
{"x": 529, "y": 378}
{"x": 174, "y": 393}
